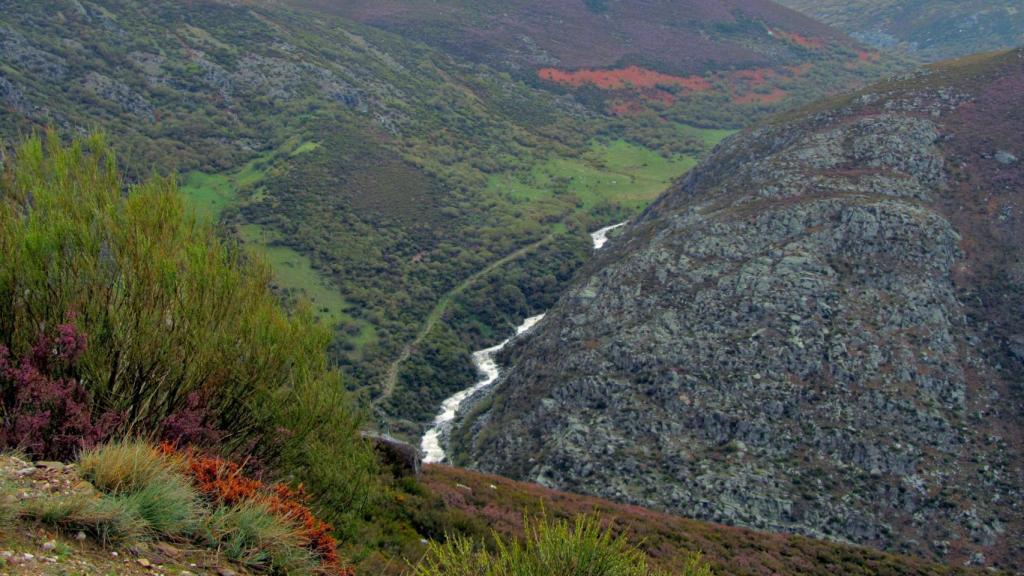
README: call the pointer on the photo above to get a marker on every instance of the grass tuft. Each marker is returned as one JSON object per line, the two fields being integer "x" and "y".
{"x": 108, "y": 520}
{"x": 169, "y": 505}
{"x": 551, "y": 548}
{"x": 126, "y": 467}
{"x": 252, "y": 535}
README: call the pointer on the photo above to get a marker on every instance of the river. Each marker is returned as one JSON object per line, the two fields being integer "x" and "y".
{"x": 487, "y": 364}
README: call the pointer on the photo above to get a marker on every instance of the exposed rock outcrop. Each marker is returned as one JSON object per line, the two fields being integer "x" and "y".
{"x": 818, "y": 331}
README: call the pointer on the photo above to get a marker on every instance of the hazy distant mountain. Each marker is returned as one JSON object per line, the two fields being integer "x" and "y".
{"x": 927, "y": 29}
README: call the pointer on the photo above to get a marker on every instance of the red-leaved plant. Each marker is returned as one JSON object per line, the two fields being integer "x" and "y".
{"x": 45, "y": 410}
{"x": 224, "y": 482}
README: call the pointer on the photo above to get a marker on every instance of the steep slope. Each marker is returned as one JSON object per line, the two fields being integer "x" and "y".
{"x": 927, "y": 29}
{"x": 817, "y": 331}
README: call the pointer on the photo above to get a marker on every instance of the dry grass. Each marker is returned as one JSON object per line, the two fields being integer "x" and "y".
{"x": 126, "y": 467}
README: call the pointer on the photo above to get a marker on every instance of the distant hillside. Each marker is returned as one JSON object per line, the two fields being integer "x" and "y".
{"x": 630, "y": 55}
{"x": 683, "y": 37}
{"x": 927, "y": 29}
{"x": 818, "y": 330}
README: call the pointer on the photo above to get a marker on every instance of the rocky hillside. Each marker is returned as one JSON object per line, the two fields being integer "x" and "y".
{"x": 928, "y": 29}
{"x": 817, "y": 331}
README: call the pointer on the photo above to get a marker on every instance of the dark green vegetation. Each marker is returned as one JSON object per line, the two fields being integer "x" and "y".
{"x": 380, "y": 171}
{"x": 927, "y": 29}
{"x": 161, "y": 329}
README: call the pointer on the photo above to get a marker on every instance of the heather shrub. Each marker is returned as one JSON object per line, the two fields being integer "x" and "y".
{"x": 185, "y": 339}
{"x": 46, "y": 412}
{"x": 550, "y": 548}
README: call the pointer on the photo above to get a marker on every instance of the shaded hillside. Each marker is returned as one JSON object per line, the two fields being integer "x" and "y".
{"x": 817, "y": 331}
{"x": 926, "y": 29}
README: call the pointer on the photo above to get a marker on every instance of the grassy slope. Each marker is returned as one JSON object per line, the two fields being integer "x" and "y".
{"x": 617, "y": 172}
{"x": 473, "y": 503}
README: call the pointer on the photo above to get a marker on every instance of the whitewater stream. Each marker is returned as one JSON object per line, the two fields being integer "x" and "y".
{"x": 487, "y": 364}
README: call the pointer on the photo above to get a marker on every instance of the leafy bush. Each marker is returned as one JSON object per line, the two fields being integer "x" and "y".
{"x": 185, "y": 336}
{"x": 550, "y": 548}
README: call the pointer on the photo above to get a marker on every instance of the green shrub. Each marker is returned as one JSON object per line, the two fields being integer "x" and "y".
{"x": 550, "y": 548}
{"x": 172, "y": 313}
{"x": 250, "y": 534}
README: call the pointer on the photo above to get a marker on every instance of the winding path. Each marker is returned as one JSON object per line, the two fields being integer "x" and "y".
{"x": 391, "y": 379}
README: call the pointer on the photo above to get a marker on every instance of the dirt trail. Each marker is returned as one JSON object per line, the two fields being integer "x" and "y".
{"x": 391, "y": 379}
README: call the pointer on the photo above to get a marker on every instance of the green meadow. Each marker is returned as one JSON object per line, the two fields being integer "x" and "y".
{"x": 616, "y": 172}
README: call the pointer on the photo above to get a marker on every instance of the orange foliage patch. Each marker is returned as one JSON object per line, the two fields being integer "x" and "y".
{"x": 800, "y": 40}
{"x": 775, "y": 96}
{"x": 224, "y": 482}
{"x": 800, "y": 70}
{"x": 866, "y": 56}
{"x": 632, "y": 76}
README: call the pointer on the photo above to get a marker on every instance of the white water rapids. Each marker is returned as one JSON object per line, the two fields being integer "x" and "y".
{"x": 486, "y": 363}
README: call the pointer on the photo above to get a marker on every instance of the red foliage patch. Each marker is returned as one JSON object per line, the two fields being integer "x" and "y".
{"x": 46, "y": 410}
{"x": 632, "y": 76}
{"x": 224, "y": 482}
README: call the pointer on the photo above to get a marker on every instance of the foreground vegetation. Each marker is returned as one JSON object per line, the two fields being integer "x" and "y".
{"x": 121, "y": 314}
{"x": 550, "y": 548}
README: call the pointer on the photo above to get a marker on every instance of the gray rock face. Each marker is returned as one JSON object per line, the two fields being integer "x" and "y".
{"x": 780, "y": 342}
{"x": 119, "y": 93}
{"x": 17, "y": 51}
{"x": 1005, "y": 158}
